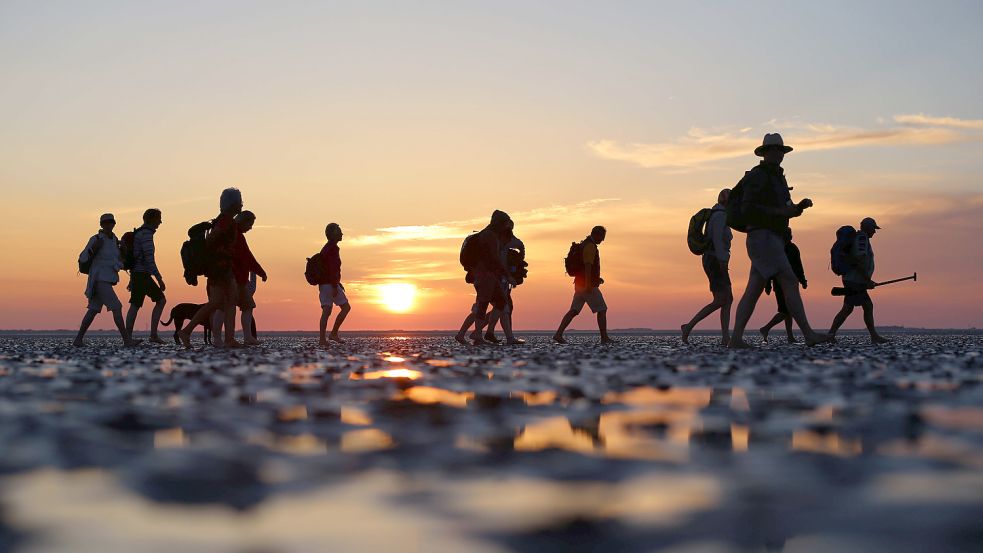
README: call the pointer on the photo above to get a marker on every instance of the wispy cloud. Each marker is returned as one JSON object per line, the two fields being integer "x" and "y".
{"x": 699, "y": 146}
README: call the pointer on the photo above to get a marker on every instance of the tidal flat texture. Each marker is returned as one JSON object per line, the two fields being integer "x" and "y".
{"x": 420, "y": 444}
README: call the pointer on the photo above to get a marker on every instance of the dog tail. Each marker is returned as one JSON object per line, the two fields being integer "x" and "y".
{"x": 168, "y": 321}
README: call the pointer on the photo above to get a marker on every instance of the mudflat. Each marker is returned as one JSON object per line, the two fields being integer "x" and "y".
{"x": 417, "y": 443}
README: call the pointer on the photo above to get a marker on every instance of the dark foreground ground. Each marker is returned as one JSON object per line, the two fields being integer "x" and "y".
{"x": 418, "y": 444}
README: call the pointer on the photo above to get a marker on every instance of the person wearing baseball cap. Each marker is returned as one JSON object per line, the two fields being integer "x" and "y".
{"x": 761, "y": 205}
{"x": 100, "y": 259}
{"x": 858, "y": 280}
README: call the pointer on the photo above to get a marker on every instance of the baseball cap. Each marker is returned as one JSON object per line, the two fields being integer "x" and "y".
{"x": 869, "y": 222}
{"x": 107, "y": 217}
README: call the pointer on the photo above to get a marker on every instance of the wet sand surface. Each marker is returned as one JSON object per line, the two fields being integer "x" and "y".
{"x": 420, "y": 444}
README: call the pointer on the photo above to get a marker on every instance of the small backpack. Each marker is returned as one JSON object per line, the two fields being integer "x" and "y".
{"x": 86, "y": 266}
{"x": 696, "y": 237}
{"x": 839, "y": 260}
{"x": 517, "y": 266}
{"x": 470, "y": 252}
{"x": 573, "y": 263}
{"x": 736, "y": 218}
{"x": 126, "y": 250}
{"x": 194, "y": 253}
{"x": 314, "y": 271}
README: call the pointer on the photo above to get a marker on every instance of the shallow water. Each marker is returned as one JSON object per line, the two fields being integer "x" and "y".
{"x": 419, "y": 444}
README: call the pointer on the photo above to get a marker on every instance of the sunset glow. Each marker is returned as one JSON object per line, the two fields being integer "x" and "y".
{"x": 397, "y": 297}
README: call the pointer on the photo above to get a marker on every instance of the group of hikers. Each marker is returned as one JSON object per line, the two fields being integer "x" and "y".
{"x": 760, "y": 205}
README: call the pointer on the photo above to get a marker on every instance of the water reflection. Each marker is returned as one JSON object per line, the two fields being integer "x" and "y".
{"x": 388, "y": 373}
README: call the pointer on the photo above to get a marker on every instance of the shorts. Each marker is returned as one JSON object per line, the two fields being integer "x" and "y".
{"x": 103, "y": 295}
{"x": 767, "y": 252}
{"x": 141, "y": 286}
{"x": 719, "y": 278}
{"x": 244, "y": 296}
{"x": 326, "y": 294}
{"x": 488, "y": 289}
{"x": 508, "y": 301}
{"x": 857, "y": 295}
{"x": 592, "y": 297}
{"x": 222, "y": 291}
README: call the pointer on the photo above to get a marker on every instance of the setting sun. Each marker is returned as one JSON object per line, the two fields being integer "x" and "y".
{"x": 397, "y": 296}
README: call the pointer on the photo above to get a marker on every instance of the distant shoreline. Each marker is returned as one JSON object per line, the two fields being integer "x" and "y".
{"x": 622, "y": 332}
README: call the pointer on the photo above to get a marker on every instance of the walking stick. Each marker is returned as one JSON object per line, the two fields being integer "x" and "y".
{"x": 842, "y": 291}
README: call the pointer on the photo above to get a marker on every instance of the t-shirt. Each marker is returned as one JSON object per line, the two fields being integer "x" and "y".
{"x": 331, "y": 262}
{"x": 592, "y": 257}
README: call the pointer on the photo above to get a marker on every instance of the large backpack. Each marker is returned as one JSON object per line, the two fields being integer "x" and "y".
{"x": 573, "y": 263}
{"x": 86, "y": 266}
{"x": 696, "y": 237}
{"x": 470, "y": 252}
{"x": 517, "y": 266}
{"x": 839, "y": 260}
{"x": 194, "y": 253}
{"x": 126, "y": 249}
{"x": 736, "y": 218}
{"x": 314, "y": 271}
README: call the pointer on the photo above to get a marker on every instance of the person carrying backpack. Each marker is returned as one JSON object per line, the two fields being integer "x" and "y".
{"x": 144, "y": 272}
{"x": 794, "y": 259}
{"x": 221, "y": 284}
{"x": 331, "y": 292}
{"x": 586, "y": 269}
{"x": 857, "y": 277}
{"x": 511, "y": 247}
{"x": 760, "y": 205}
{"x": 482, "y": 255}
{"x": 244, "y": 269}
{"x": 101, "y": 261}
{"x": 716, "y": 257}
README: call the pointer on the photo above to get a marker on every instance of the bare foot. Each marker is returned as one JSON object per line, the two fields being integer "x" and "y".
{"x": 608, "y": 341}
{"x": 155, "y": 340}
{"x": 817, "y": 339}
{"x": 724, "y": 341}
{"x": 185, "y": 338}
{"x": 130, "y": 342}
{"x": 78, "y": 343}
{"x": 491, "y": 338}
{"x": 515, "y": 342}
{"x": 686, "y": 330}
{"x": 879, "y": 340}
{"x": 559, "y": 339}
{"x": 764, "y": 333}
{"x": 322, "y": 343}
{"x": 792, "y": 340}
{"x": 335, "y": 338}
{"x": 477, "y": 340}
{"x": 461, "y": 340}
{"x": 739, "y": 344}
{"x": 251, "y": 342}
{"x": 232, "y": 344}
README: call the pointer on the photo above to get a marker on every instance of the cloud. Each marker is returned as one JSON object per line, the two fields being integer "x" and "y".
{"x": 699, "y": 146}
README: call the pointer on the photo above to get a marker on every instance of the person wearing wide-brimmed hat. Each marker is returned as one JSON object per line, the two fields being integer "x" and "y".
{"x": 857, "y": 280}
{"x": 766, "y": 208}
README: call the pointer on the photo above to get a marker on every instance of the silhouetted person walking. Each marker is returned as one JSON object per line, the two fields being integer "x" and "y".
{"x": 102, "y": 262}
{"x": 586, "y": 267}
{"x": 761, "y": 205}
{"x": 144, "y": 274}
{"x": 221, "y": 285}
{"x": 332, "y": 292}
{"x": 795, "y": 260}
{"x": 487, "y": 271}
{"x": 507, "y": 241}
{"x": 857, "y": 281}
{"x": 715, "y": 264}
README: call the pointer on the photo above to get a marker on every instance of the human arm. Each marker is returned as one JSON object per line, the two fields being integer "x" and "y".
{"x": 716, "y": 228}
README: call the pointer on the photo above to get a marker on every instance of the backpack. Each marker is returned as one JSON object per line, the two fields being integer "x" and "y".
{"x": 194, "y": 253}
{"x": 573, "y": 263}
{"x": 517, "y": 266}
{"x": 736, "y": 218}
{"x": 696, "y": 237}
{"x": 86, "y": 266}
{"x": 126, "y": 250}
{"x": 314, "y": 271}
{"x": 839, "y": 260}
{"x": 470, "y": 252}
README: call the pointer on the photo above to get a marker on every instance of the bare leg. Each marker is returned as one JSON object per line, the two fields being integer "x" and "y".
{"x": 218, "y": 325}
{"x": 788, "y": 330}
{"x": 201, "y": 316}
{"x": 155, "y": 320}
{"x": 745, "y": 308}
{"x": 725, "y": 319}
{"x": 131, "y": 319}
{"x": 840, "y": 318}
{"x": 875, "y": 338}
{"x": 493, "y": 319}
{"x": 564, "y": 323}
{"x": 795, "y": 308}
{"x": 345, "y": 309}
{"x": 121, "y": 326}
{"x": 721, "y": 301}
{"x": 703, "y": 313}
{"x": 246, "y": 320}
{"x": 90, "y": 315}
{"x": 507, "y": 328}
{"x": 468, "y": 321}
{"x": 230, "y": 327}
{"x": 602, "y": 326}
{"x": 323, "y": 327}
{"x": 779, "y": 317}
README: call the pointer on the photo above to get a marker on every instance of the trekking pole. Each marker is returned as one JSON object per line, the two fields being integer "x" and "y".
{"x": 842, "y": 291}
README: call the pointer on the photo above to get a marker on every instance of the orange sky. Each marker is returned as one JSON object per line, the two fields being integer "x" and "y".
{"x": 408, "y": 127}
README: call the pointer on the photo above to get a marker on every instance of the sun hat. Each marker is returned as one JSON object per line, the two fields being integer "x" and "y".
{"x": 771, "y": 139}
{"x": 869, "y": 222}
